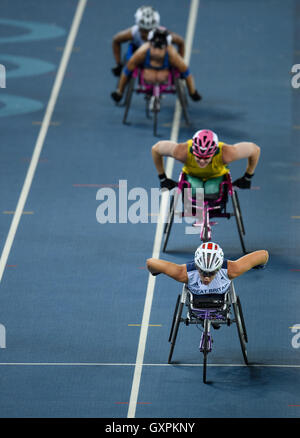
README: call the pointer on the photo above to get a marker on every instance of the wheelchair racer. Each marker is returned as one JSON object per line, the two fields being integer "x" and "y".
{"x": 205, "y": 160}
{"x": 209, "y": 272}
{"x": 146, "y": 19}
{"x": 156, "y": 57}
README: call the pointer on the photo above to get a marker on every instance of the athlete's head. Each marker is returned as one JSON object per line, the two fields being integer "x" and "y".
{"x": 205, "y": 144}
{"x": 159, "y": 38}
{"x": 147, "y": 18}
{"x": 208, "y": 259}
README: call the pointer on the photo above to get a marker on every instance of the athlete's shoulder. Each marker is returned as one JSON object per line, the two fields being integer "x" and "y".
{"x": 135, "y": 30}
{"x": 181, "y": 151}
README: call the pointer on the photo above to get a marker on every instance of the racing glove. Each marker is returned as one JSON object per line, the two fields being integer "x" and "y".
{"x": 117, "y": 70}
{"x": 244, "y": 182}
{"x": 195, "y": 96}
{"x": 155, "y": 273}
{"x": 116, "y": 96}
{"x": 260, "y": 266}
{"x": 166, "y": 183}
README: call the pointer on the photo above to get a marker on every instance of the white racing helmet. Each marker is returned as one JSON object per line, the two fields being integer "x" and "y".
{"x": 209, "y": 257}
{"x": 147, "y": 17}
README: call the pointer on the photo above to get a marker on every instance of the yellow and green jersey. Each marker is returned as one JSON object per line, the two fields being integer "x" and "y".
{"x": 214, "y": 169}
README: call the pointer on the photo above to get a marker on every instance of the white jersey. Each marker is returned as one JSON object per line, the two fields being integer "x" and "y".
{"x": 136, "y": 36}
{"x": 219, "y": 285}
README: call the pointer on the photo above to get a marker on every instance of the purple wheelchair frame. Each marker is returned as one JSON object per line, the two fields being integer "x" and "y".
{"x": 208, "y": 209}
{"x": 156, "y": 89}
{"x": 153, "y": 93}
{"x": 209, "y": 310}
{"x": 209, "y": 206}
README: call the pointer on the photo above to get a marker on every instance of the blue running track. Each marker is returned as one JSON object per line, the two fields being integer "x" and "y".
{"x": 73, "y": 291}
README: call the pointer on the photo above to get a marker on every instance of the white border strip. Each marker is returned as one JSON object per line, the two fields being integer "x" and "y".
{"x": 42, "y": 135}
{"x": 159, "y": 229}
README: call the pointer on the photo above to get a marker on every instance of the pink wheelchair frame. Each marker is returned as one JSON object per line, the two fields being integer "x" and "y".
{"x": 211, "y": 207}
{"x": 153, "y": 93}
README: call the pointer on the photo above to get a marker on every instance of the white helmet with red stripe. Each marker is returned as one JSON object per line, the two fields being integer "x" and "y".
{"x": 209, "y": 257}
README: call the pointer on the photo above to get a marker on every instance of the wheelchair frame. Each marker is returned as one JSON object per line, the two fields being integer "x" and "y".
{"x": 210, "y": 208}
{"x": 211, "y": 309}
{"x": 153, "y": 93}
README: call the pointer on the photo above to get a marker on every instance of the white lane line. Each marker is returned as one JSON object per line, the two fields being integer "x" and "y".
{"x": 42, "y": 135}
{"x": 159, "y": 230}
{"x": 100, "y": 364}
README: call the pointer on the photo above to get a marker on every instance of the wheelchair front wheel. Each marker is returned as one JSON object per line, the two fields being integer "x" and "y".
{"x": 205, "y": 348}
{"x": 155, "y": 110}
{"x": 206, "y": 234}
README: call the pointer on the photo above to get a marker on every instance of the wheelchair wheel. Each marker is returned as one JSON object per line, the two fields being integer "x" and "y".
{"x": 171, "y": 205}
{"x": 241, "y": 328}
{"x": 155, "y": 113}
{"x": 156, "y": 108}
{"x": 205, "y": 236}
{"x": 205, "y": 233}
{"x": 147, "y": 104}
{"x": 205, "y": 347}
{"x": 128, "y": 97}
{"x": 169, "y": 224}
{"x": 175, "y": 329}
{"x": 181, "y": 94}
{"x": 239, "y": 220}
{"x": 239, "y": 208}
{"x": 174, "y": 317}
{"x": 242, "y": 319}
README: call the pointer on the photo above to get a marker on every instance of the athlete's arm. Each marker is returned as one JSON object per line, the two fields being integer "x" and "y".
{"x": 121, "y": 37}
{"x": 247, "y": 262}
{"x": 178, "y": 62}
{"x": 242, "y": 150}
{"x": 137, "y": 58}
{"x": 177, "y": 272}
{"x": 179, "y": 41}
{"x": 168, "y": 148}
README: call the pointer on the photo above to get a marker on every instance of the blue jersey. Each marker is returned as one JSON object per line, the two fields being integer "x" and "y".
{"x": 147, "y": 62}
{"x": 219, "y": 285}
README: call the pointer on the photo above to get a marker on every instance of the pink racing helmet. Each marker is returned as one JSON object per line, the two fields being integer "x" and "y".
{"x": 205, "y": 143}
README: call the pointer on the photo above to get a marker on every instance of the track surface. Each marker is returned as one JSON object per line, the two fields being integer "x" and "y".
{"x": 73, "y": 290}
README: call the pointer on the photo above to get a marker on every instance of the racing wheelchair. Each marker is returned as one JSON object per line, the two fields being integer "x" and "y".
{"x": 153, "y": 93}
{"x": 213, "y": 206}
{"x": 208, "y": 310}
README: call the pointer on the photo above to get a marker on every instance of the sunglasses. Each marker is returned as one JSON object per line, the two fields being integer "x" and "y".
{"x": 207, "y": 274}
{"x": 203, "y": 158}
